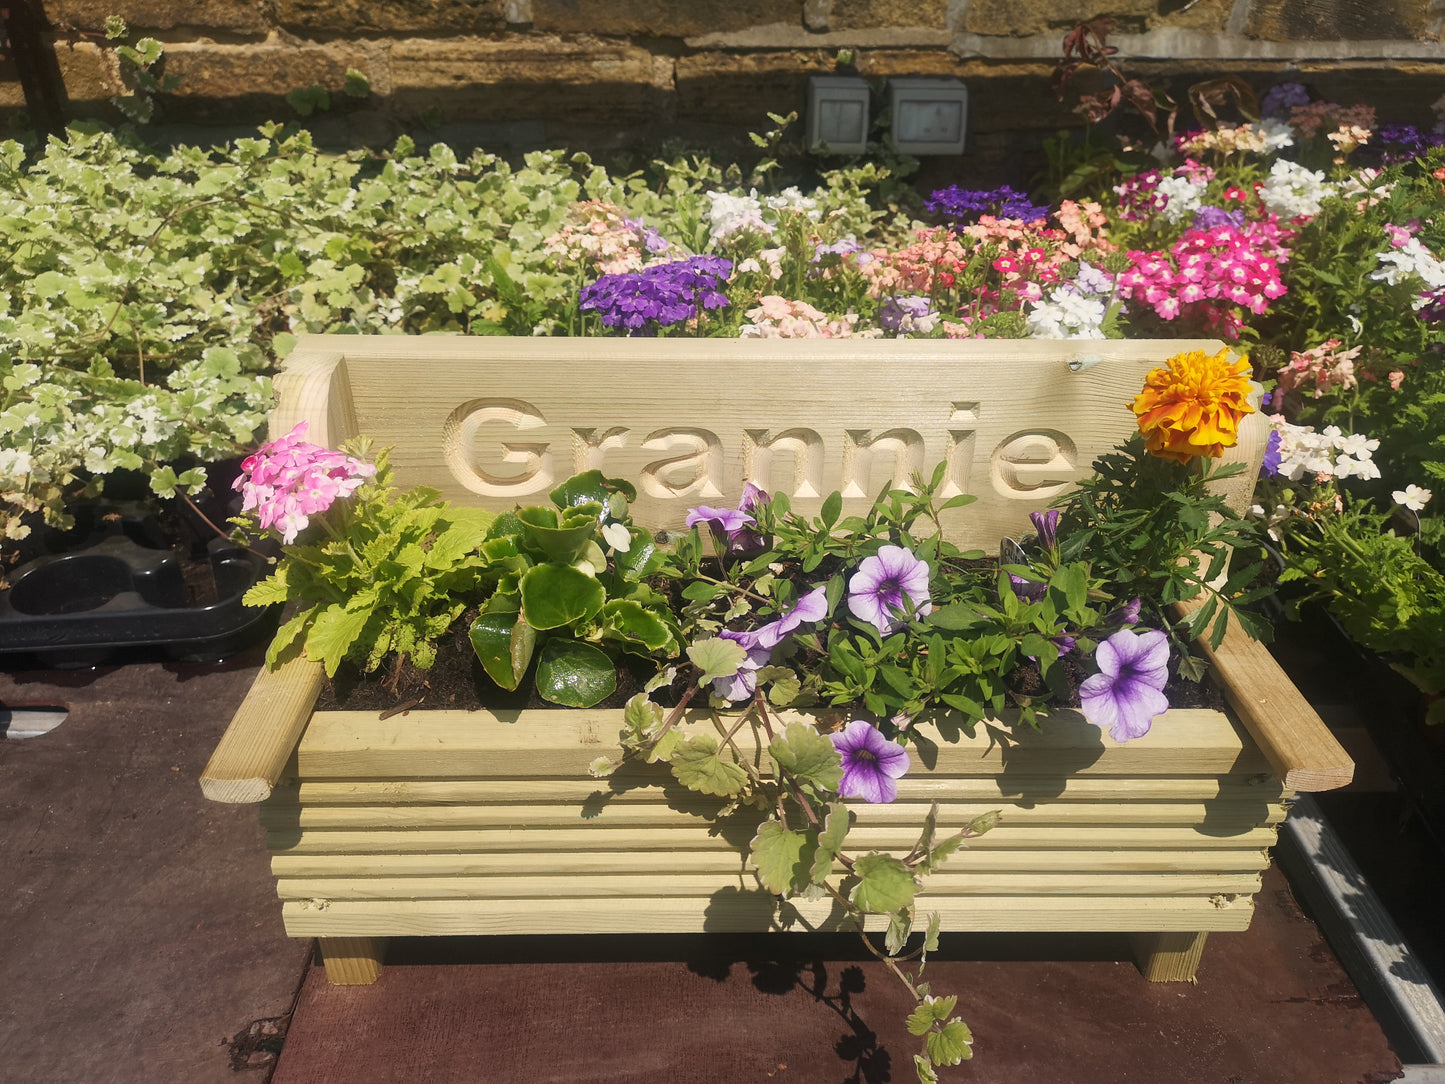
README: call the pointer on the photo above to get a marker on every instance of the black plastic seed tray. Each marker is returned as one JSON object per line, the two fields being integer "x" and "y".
{"x": 119, "y": 601}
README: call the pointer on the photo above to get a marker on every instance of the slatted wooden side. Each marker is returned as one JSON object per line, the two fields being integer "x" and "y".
{"x": 483, "y": 825}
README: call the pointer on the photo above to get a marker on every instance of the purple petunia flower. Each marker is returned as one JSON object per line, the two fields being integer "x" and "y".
{"x": 811, "y": 607}
{"x": 1127, "y": 614}
{"x": 876, "y": 591}
{"x": 871, "y": 762}
{"x": 662, "y": 295}
{"x": 744, "y": 683}
{"x": 965, "y": 205}
{"x": 732, "y": 528}
{"x": 1128, "y": 691}
{"x": 1046, "y": 525}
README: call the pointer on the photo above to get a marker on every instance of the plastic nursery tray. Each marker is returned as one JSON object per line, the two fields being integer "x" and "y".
{"x": 118, "y": 601}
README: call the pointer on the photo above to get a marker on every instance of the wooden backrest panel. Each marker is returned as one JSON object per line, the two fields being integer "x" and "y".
{"x": 497, "y": 422}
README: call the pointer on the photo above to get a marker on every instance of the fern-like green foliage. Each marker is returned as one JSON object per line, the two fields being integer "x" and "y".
{"x": 389, "y": 576}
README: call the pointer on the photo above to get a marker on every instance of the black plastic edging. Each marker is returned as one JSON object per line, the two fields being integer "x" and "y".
{"x": 1382, "y": 966}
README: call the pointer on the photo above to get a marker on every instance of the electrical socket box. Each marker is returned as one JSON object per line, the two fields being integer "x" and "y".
{"x": 929, "y": 115}
{"x": 837, "y": 114}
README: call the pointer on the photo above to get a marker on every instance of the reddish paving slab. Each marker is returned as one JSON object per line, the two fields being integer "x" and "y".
{"x": 139, "y": 925}
{"x": 1272, "y": 1006}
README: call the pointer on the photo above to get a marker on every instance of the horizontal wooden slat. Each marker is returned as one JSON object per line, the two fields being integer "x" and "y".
{"x": 661, "y": 884}
{"x": 1165, "y": 814}
{"x": 634, "y": 788}
{"x": 730, "y": 861}
{"x": 543, "y": 841}
{"x": 557, "y": 743}
{"x": 750, "y": 912}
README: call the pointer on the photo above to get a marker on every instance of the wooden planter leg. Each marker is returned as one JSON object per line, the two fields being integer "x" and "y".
{"x": 1168, "y": 957}
{"x": 352, "y": 961}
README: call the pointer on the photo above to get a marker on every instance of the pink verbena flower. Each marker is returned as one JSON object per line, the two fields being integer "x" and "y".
{"x": 289, "y": 480}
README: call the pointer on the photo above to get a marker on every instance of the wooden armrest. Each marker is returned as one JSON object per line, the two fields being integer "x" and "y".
{"x": 1292, "y": 737}
{"x": 253, "y": 751}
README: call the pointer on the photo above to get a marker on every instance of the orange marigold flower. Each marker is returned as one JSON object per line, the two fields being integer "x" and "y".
{"x": 1193, "y": 407}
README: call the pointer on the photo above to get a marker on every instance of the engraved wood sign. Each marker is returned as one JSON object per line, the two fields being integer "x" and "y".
{"x": 499, "y": 422}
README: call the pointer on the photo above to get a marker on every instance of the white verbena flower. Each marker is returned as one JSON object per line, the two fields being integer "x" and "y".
{"x": 1292, "y": 191}
{"x": 1413, "y": 497}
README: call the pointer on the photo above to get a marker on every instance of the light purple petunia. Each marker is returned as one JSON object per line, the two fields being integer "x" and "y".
{"x": 732, "y": 528}
{"x": 744, "y": 683}
{"x": 811, "y": 607}
{"x": 1128, "y": 691}
{"x": 871, "y": 762}
{"x": 877, "y": 589}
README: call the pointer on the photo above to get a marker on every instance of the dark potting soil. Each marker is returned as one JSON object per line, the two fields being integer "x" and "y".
{"x": 457, "y": 681}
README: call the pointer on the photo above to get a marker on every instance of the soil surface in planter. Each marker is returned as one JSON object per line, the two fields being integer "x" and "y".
{"x": 458, "y": 681}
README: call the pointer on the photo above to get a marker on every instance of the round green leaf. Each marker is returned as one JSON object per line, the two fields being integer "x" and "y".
{"x": 504, "y": 645}
{"x": 574, "y": 674}
{"x": 554, "y": 596}
{"x": 560, "y": 543}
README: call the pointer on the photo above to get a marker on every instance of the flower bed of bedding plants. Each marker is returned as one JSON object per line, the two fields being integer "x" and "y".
{"x": 151, "y": 294}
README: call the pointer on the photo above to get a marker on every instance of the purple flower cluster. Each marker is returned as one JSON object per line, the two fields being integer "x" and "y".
{"x": 1282, "y": 97}
{"x": 1269, "y": 465}
{"x": 966, "y": 205}
{"x": 1207, "y": 218}
{"x": 663, "y": 295}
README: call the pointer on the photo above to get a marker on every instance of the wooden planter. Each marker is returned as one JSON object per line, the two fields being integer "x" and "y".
{"x": 463, "y": 823}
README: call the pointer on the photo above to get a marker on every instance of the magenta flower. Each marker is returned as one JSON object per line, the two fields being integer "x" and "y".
{"x": 289, "y": 480}
{"x": 1128, "y": 690}
{"x": 871, "y": 762}
{"x": 744, "y": 683}
{"x": 877, "y": 590}
{"x": 732, "y": 528}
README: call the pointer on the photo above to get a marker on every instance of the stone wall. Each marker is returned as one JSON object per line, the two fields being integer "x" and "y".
{"x": 611, "y": 72}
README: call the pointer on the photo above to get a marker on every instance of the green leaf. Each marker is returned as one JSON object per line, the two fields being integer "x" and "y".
{"x": 900, "y": 928}
{"x": 632, "y": 622}
{"x": 782, "y": 858}
{"x": 924, "y": 1068}
{"x": 561, "y": 543}
{"x": 554, "y": 596}
{"x": 955, "y": 616}
{"x": 334, "y": 631}
{"x": 639, "y": 560}
{"x": 574, "y": 674}
{"x": 832, "y": 506}
{"x": 885, "y": 884}
{"x": 808, "y": 756}
{"x": 697, "y": 766}
{"x": 836, "y": 823}
{"x": 591, "y": 486}
{"x": 716, "y": 657}
{"x": 951, "y": 1045}
{"x": 504, "y": 643}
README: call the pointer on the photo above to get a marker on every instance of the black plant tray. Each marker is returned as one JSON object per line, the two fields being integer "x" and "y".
{"x": 117, "y": 601}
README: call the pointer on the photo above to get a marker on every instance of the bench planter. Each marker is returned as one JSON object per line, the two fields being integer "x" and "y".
{"x": 465, "y": 823}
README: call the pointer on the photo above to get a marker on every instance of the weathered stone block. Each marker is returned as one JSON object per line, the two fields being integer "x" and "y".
{"x": 231, "y": 79}
{"x": 661, "y": 18}
{"x": 581, "y": 81}
{"x": 1009, "y": 17}
{"x": 1328, "y": 20}
{"x": 363, "y": 17}
{"x": 740, "y": 89}
{"x": 90, "y": 74}
{"x": 887, "y": 14}
{"x": 239, "y": 16}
